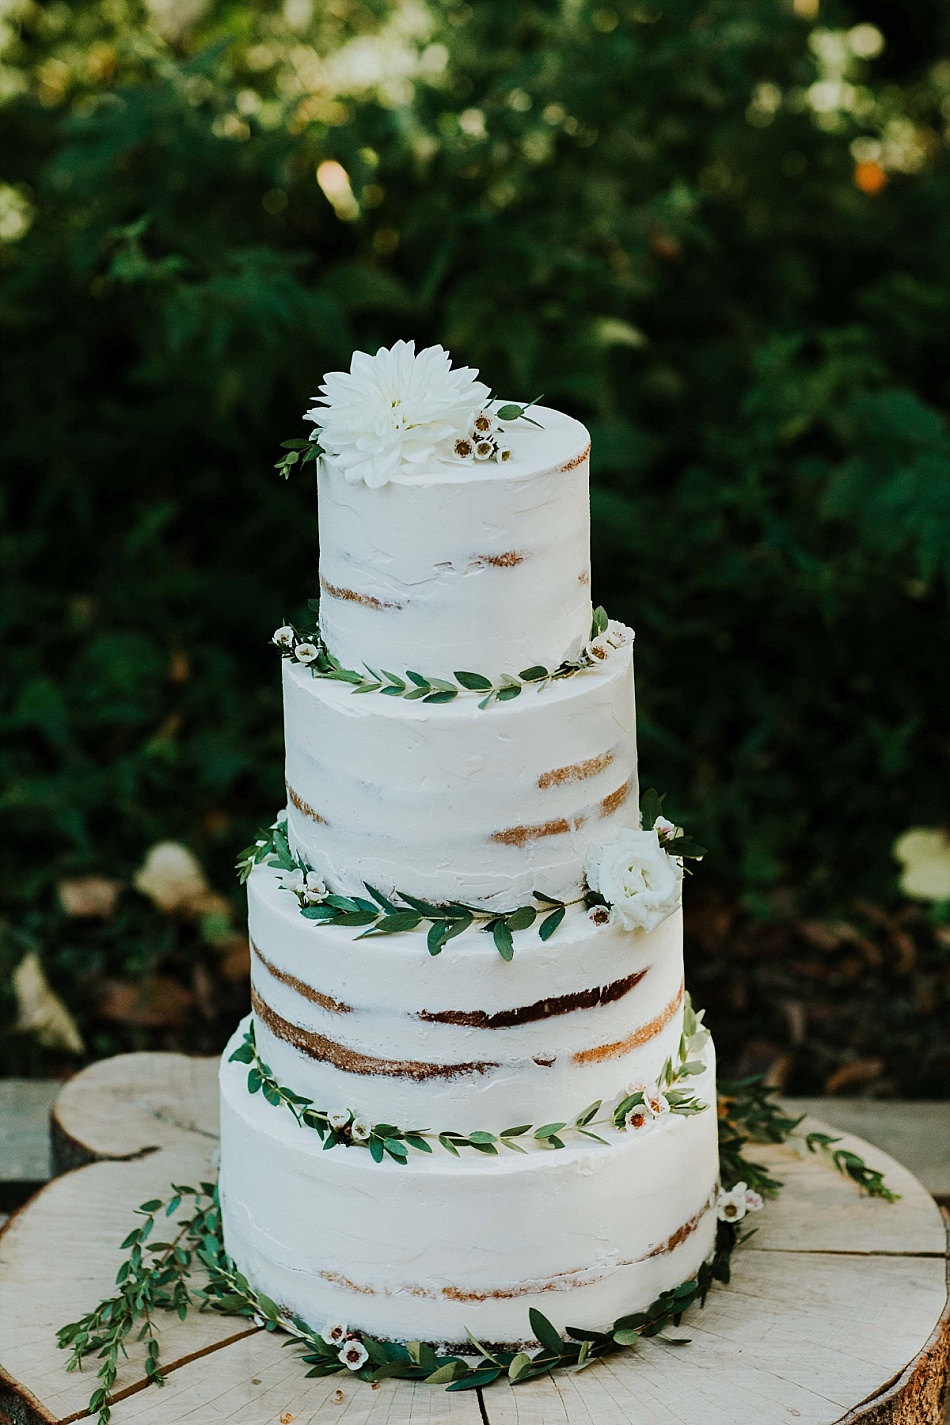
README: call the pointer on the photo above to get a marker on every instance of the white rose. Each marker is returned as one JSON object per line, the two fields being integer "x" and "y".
{"x": 640, "y": 882}
{"x": 305, "y": 652}
{"x": 284, "y": 636}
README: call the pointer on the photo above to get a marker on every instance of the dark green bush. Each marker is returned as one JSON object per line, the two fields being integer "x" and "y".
{"x": 648, "y": 212}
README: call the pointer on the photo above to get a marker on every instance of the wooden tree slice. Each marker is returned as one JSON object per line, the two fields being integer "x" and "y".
{"x": 837, "y": 1312}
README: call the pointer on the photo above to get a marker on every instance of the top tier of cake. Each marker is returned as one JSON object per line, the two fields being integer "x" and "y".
{"x": 479, "y": 566}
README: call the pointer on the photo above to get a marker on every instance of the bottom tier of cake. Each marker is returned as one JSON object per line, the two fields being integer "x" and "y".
{"x": 439, "y": 1246}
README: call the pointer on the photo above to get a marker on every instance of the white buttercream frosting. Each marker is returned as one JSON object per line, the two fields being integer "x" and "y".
{"x": 456, "y": 802}
{"x": 482, "y": 567}
{"x": 423, "y": 1250}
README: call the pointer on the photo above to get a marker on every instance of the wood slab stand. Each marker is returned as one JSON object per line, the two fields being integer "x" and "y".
{"x": 837, "y": 1312}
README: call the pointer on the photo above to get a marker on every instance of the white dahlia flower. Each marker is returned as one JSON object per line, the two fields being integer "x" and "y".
{"x": 390, "y": 412}
{"x": 636, "y": 877}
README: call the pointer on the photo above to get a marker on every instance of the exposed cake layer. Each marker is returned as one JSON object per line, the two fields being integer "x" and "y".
{"x": 425, "y": 1250}
{"x": 463, "y": 1041}
{"x": 480, "y": 566}
{"x": 455, "y": 802}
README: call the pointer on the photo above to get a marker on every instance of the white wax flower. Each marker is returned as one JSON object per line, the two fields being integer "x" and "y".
{"x": 484, "y": 449}
{"x": 665, "y": 828}
{"x": 361, "y": 1130}
{"x": 753, "y": 1201}
{"x": 283, "y": 636}
{"x": 655, "y": 1100}
{"x": 639, "y": 1119}
{"x": 598, "y": 648}
{"x": 295, "y": 881}
{"x": 354, "y": 1354}
{"x": 305, "y": 652}
{"x": 315, "y": 889}
{"x": 636, "y": 877}
{"x": 483, "y": 425}
{"x": 390, "y": 412}
{"x": 733, "y": 1206}
{"x": 503, "y": 453}
{"x": 334, "y": 1333}
{"x": 338, "y": 1118}
{"x": 617, "y": 633}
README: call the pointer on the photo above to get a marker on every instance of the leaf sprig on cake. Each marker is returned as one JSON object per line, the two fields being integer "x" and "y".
{"x": 305, "y": 646}
{"x": 636, "y": 1112}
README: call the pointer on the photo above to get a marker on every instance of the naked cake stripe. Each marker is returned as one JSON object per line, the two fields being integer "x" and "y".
{"x": 328, "y": 1051}
{"x": 352, "y": 596}
{"x": 523, "y": 835}
{"x": 564, "y": 1281}
{"x": 541, "y": 1009}
{"x": 307, "y": 991}
{"x": 640, "y": 1036}
{"x": 303, "y": 806}
{"x": 615, "y": 800}
{"x": 577, "y": 771}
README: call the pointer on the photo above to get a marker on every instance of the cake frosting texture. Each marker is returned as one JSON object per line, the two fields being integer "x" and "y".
{"x": 587, "y": 1180}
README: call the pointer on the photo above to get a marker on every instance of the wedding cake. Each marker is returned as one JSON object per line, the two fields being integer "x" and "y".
{"x": 471, "y": 1082}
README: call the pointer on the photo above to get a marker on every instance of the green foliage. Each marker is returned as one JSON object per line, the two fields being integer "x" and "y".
{"x": 160, "y": 1275}
{"x": 648, "y": 214}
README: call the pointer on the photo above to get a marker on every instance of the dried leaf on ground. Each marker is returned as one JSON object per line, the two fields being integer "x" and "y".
{"x": 172, "y": 879}
{"x": 89, "y": 897}
{"x": 40, "y": 1011}
{"x": 159, "y": 1003}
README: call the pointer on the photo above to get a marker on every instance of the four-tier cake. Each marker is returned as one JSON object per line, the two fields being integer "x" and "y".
{"x": 471, "y": 1082}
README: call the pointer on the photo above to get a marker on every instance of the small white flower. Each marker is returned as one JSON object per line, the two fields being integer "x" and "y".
{"x": 753, "y": 1201}
{"x": 638, "y": 1119}
{"x": 599, "y": 915}
{"x": 305, "y": 652}
{"x": 315, "y": 889}
{"x": 295, "y": 881}
{"x": 334, "y": 1333}
{"x": 284, "y": 636}
{"x": 390, "y": 412}
{"x": 655, "y": 1100}
{"x": 617, "y": 634}
{"x": 354, "y": 1354}
{"x": 483, "y": 425}
{"x": 463, "y": 449}
{"x": 598, "y": 649}
{"x": 665, "y": 829}
{"x": 503, "y": 453}
{"x": 361, "y": 1130}
{"x": 732, "y": 1206}
{"x": 338, "y": 1118}
{"x": 635, "y": 876}
{"x": 281, "y": 818}
{"x": 484, "y": 449}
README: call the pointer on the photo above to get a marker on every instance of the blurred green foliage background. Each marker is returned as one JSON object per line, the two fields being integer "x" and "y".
{"x": 718, "y": 233}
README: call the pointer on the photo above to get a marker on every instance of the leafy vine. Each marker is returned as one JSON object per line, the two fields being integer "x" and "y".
{"x": 157, "y": 1276}
{"x": 305, "y": 646}
{"x": 377, "y": 914}
{"x": 636, "y": 1111}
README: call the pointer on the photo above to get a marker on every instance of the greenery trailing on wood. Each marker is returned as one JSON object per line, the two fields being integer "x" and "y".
{"x": 635, "y": 1112}
{"x": 160, "y": 1276}
{"x": 305, "y": 646}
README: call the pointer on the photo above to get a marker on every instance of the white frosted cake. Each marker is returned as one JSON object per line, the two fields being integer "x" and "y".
{"x": 471, "y": 1082}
